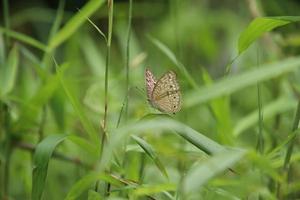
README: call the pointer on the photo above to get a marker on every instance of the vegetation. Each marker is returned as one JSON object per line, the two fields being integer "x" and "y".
{"x": 74, "y": 118}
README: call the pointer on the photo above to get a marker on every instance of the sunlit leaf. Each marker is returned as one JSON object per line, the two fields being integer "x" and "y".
{"x": 261, "y": 25}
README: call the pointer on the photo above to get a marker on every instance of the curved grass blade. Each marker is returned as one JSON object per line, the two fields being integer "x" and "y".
{"x": 202, "y": 173}
{"x": 75, "y": 22}
{"x": 151, "y": 153}
{"x": 8, "y": 72}
{"x": 149, "y": 190}
{"x": 278, "y": 106}
{"x": 88, "y": 126}
{"x": 24, "y": 38}
{"x": 159, "y": 123}
{"x": 84, "y": 183}
{"x": 261, "y": 25}
{"x": 173, "y": 58}
{"x": 41, "y": 159}
{"x": 232, "y": 84}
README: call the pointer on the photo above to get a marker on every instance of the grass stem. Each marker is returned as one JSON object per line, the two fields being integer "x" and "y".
{"x": 6, "y": 21}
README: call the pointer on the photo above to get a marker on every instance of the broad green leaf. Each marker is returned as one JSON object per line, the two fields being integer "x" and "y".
{"x": 173, "y": 58}
{"x": 278, "y": 106}
{"x": 85, "y": 182}
{"x": 41, "y": 159}
{"x": 259, "y": 26}
{"x": 159, "y": 123}
{"x": 24, "y": 38}
{"x": 92, "y": 195}
{"x": 234, "y": 83}
{"x": 8, "y": 72}
{"x": 151, "y": 153}
{"x": 208, "y": 169}
{"x": 75, "y": 22}
{"x": 88, "y": 126}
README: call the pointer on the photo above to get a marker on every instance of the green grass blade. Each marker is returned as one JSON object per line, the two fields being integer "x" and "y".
{"x": 259, "y": 26}
{"x": 151, "y": 153}
{"x": 176, "y": 62}
{"x": 88, "y": 126}
{"x": 220, "y": 109}
{"x": 159, "y": 123}
{"x": 150, "y": 190}
{"x": 8, "y": 76}
{"x": 232, "y": 84}
{"x": 25, "y": 39}
{"x": 75, "y": 22}
{"x": 202, "y": 173}
{"x": 85, "y": 182}
{"x": 41, "y": 159}
{"x": 278, "y": 106}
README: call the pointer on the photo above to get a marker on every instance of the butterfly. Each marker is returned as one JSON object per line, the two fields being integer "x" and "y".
{"x": 164, "y": 93}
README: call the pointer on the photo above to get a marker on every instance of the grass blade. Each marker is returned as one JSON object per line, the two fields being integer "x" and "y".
{"x": 149, "y": 190}
{"x": 24, "y": 38}
{"x": 84, "y": 183}
{"x": 8, "y": 76}
{"x": 272, "y": 109}
{"x": 151, "y": 153}
{"x": 159, "y": 123}
{"x": 231, "y": 84}
{"x": 173, "y": 58}
{"x": 41, "y": 159}
{"x": 202, "y": 173}
{"x": 89, "y": 128}
{"x": 75, "y": 22}
{"x": 261, "y": 25}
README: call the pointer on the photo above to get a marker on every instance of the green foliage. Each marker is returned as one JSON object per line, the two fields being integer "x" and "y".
{"x": 262, "y": 25}
{"x": 79, "y": 71}
{"x": 41, "y": 159}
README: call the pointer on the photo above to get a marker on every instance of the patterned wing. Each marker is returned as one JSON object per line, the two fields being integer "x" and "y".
{"x": 166, "y": 95}
{"x": 150, "y": 83}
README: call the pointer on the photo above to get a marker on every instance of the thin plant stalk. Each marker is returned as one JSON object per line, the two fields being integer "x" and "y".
{"x": 6, "y": 21}
{"x": 288, "y": 155}
{"x": 286, "y": 165}
{"x": 110, "y": 4}
{"x": 260, "y": 141}
{"x": 128, "y": 53}
{"x": 110, "y": 25}
{"x": 53, "y": 31}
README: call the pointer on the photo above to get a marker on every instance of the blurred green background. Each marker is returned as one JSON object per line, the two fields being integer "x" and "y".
{"x": 198, "y": 39}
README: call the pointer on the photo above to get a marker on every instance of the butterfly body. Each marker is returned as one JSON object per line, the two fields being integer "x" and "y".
{"x": 164, "y": 93}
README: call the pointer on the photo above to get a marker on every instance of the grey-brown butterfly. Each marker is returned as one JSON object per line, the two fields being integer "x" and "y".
{"x": 163, "y": 94}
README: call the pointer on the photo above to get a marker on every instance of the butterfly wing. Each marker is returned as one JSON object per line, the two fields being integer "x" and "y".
{"x": 150, "y": 82}
{"x": 166, "y": 95}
